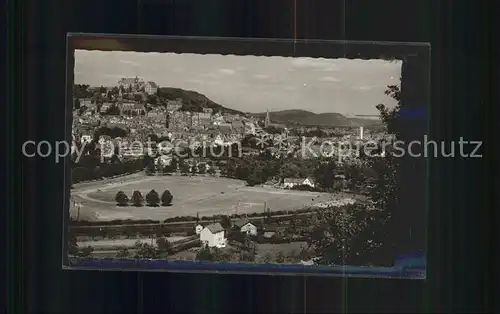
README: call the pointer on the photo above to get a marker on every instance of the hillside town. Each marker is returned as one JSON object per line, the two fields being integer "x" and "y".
{"x": 107, "y": 120}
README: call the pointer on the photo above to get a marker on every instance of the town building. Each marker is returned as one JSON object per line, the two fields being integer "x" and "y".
{"x": 213, "y": 236}
{"x": 245, "y": 226}
{"x": 151, "y": 88}
{"x": 198, "y": 228}
{"x": 292, "y": 182}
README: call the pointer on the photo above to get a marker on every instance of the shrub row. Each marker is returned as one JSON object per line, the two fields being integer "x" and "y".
{"x": 78, "y": 223}
{"x": 152, "y": 198}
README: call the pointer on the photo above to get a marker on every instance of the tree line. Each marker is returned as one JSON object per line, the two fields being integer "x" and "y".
{"x": 152, "y": 199}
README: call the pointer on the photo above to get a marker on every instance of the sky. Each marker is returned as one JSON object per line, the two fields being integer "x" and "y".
{"x": 252, "y": 83}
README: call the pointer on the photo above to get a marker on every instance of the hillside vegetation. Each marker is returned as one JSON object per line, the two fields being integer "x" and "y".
{"x": 307, "y": 118}
{"x": 193, "y": 101}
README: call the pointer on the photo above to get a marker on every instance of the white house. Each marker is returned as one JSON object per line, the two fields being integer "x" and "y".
{"x": 213, "y": 236}
{"x": 86, "y": 139}
{"x": 151, "y": 88}
{"x": 198, "y": 229}
{"x": 245, "y": 226}
{"x": 291, "y": 182}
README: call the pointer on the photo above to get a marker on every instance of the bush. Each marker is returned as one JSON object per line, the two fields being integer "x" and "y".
{"x": 152, "y": 198}
{"x": 123, "y": 253}
{"x": 145, "y": 250}
{"x": 121, "y": 198}
{"x": 280, "y": 257}
{"x": 247, "y": 256}
{"x": 137, "y": 198}
{"x": 166, "y": 198}
{"x": 204, "y": 255}
{"x": 164, "y": 245}
{"x": 86, "y": 251}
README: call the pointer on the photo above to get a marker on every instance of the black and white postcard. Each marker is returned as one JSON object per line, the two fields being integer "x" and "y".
{"x": 238, "y": 159}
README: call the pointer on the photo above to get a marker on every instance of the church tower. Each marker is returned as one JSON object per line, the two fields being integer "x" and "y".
{"x": 267, "y": 121}
{"x": 167, "y": 120}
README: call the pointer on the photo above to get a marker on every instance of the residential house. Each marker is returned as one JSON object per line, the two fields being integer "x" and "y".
{"x": 213, "y": 236}
{"x": 174, "y": 105}
{"x": 151, "y": 88}
{"x": 245, "y": 226}
{"x": 274, "y": 231}
{"x": 292, "y": 182}
{"x": 132, "y": 109}
{"x": 269, "y": 232}
{"x": 131, "y": 84}
{"x": 225, "y": 128}
{"x": 163, "y": 160}
{"x": 86, "y": 139}
{"x": 105, "y": 107}
{"x": 309, "y": 181}
{"x": 198, "y": 228}
{"x": 85, "y": 102}
{"x": 238, "y": 127}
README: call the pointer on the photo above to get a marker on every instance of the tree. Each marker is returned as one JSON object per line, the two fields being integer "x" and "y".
{"x": 202, "y": 168}
{"x": 76, "y": 105}
{"x": 166, "y": 198}
{"x": 211, "y": 171}
{"x": 72, "y": 244}
{"x": 164, "y": 246}
{"x": 338, "y": 235}
{"x": 194, "y": 169}
{"x": 152, "y": 198}
{"x": 184, "y": 169}
{"x": 225, "y": 222}
{"x": 121, "y": 198}
{"x": 280, "y": 257}
{"x": 173, "y": 165}
{"x": 145, "y": 250}
{"x": 204, "y": 254}
{"x": 267, "y": 258}
{"x": 137, "y": 198}
{"x": 150, "y": 168}
{"x": 325, "y": 174}
{"x": 123, "y": 253}
{"x": 86, "y": 251}
{"x": 246, "y": 256}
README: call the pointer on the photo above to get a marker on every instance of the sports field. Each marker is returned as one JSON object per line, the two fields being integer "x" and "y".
{"x": 191, "y": 195}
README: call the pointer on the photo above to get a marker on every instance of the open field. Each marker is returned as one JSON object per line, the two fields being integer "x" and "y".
{"x": 191, "y": 195}
{"x": 111, "y": 244}
{"x": 285, "y": 248}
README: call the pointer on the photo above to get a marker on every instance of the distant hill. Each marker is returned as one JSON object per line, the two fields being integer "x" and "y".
{"x": 307, "y": 118}
{"x": 193, "y": 101}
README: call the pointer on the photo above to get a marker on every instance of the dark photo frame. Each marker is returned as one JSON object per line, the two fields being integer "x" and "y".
{"x": 412, "y": 121}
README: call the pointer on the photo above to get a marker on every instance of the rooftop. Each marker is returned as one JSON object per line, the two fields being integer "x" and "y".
{"x": 215, "y": 228}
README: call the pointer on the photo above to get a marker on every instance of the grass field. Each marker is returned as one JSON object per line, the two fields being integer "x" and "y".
{"x": 191, "y": 195}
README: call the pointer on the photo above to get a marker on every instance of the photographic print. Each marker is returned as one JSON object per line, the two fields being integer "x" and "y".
{"x": 220, "y": 159}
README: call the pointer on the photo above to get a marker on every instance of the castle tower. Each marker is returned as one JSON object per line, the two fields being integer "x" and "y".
{"x": 267, "y": 121}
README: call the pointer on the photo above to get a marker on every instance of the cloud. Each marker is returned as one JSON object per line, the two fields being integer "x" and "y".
{"x": 201, "y": 82}
{"x": 364, "y": 88}
{"x": 211, "y": 75}
{"x": 127, "y": 62}
{"x": 261, "y": 76}
{"x": 227, "y": 71}
{"x": 116, "y": 76}
{"x": 329, "y": 79}
{"x": 194, "y": 81}
{"x": 319, "y": 64}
